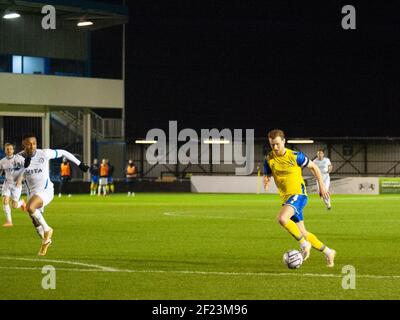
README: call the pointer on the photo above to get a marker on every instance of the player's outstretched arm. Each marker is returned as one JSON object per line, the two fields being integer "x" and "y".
{"x": 19, "y": 179}
{"x": 323, "y": 192}
{"x": 59, "y": 153}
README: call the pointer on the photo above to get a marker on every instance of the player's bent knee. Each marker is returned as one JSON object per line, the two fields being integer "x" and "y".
{"x": 31, "y": 209}
{"x": 282, "y": 220}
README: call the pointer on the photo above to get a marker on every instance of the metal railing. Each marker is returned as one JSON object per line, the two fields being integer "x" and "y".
{"x": 102, "y": 128}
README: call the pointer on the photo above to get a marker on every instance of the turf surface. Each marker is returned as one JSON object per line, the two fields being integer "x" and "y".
{"x": 201, "y": 246}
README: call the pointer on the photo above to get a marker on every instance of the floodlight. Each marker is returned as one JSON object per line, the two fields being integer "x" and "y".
{"x": 11, "y": 14}
{"x": 145, "y": 141}
{"x": 85, "y": 23}
{"x": 300, "y": 141}
{"x": 214, "y": 141}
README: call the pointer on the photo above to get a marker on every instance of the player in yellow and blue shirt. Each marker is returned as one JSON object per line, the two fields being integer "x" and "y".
{"x": 285, "y": 166}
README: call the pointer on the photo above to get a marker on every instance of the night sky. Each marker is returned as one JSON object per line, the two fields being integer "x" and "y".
{"x": 260, "y": 65}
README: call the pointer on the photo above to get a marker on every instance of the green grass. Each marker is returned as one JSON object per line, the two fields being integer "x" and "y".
{"x": 207, "y": 247}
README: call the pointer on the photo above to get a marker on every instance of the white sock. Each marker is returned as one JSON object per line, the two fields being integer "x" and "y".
{"x": 327, "y": 251}
{"x": 304, "y": 244}
{"x": 327, "y": 201}
{"x": 18, "y": 191}
{"x": 40, "y": 232}
{"x": 20, "y": 202}
{"x": 99, "y": 191}
{"x": 40, "y": 219}
{"x": 7, "y": 212}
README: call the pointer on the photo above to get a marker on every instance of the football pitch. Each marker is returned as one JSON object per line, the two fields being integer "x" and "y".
{"x": 201, "y": 246}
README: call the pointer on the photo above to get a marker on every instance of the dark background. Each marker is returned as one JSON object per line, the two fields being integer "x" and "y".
{"x": 258, "y": 64}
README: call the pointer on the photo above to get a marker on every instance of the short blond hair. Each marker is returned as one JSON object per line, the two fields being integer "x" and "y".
{"x": 7, "y": 144}
{"x": 276, "y": 133}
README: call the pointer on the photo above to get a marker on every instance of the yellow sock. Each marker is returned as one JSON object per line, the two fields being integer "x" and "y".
{"x": 315, "y": 242}
{"x": 294, "y": 231}
{"x": 112, "y": 188}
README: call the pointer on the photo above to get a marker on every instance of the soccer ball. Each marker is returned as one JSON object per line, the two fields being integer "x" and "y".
{"x": 293, "y": 259}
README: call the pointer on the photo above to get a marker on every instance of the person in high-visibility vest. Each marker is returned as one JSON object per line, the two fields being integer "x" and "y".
{"x": 130, "y": 174}
{"x": 104, "y": 171}
{"x": 65, "y": 172}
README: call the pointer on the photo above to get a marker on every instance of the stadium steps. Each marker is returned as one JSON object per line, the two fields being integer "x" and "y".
{"x": 74, "y": 121}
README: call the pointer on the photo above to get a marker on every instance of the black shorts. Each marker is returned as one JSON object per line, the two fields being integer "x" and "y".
{"x": 66, "y": 179}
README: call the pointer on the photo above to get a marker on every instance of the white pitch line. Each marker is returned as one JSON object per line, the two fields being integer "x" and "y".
{"x": 58, "y": 269}
{"x": 102, "y": 268}
{"x": 262, "y": 274}
{"x": 366, "y": 198}
{"x": 217, "y": 273}
{"x": 97, "y": 268}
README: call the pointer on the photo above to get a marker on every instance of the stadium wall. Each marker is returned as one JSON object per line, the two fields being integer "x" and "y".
{"x": 229, "y": 184}
{"x": 18, "y": 91}
{"x": 254, "y": 184}
{"x": 242, "y": 184}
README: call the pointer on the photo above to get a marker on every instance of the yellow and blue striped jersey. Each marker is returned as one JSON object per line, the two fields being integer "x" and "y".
{"x": 286, "y": 171}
